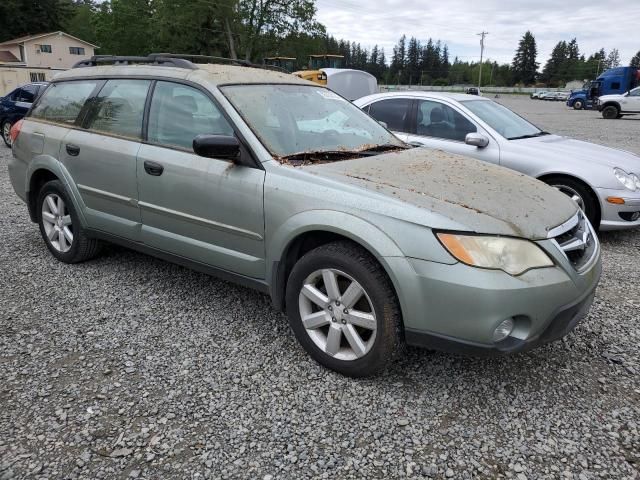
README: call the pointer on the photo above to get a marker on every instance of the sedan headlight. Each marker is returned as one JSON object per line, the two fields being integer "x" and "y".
{"x": 629, "y": 180}
{"x": 511, "y": 255}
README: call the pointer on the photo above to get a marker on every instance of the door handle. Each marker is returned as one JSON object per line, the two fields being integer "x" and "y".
{"x": 73, "y": 150}
{"x": 153, "y": 168}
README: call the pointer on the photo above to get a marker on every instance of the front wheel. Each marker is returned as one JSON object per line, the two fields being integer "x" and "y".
{"x": 6, "y": 132}
{"x": 60, "y": 226}
{"x": 579, "y": 193}
{"x": 577, "y": 105}
{"x": 610, "y": 112}
{"x": 343, "y": 310}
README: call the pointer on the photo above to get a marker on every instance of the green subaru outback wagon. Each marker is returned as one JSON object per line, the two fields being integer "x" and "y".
{"x": 280, "y": 184}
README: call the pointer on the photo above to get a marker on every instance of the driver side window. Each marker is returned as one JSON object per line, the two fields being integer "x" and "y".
{"x": 438, "y": 120}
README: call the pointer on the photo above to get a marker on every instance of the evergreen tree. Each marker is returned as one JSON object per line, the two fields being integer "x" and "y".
{"x": 613, "y": 60}
{"x": 413, "y": 61}
{"x": 635, "y": 61}
{"x": 525, "y": 66}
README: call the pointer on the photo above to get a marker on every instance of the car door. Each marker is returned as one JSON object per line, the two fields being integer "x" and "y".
{"x": 206, "y": 210}
{"x": 440, "y": 126}
{"x": 101, "y": 156}
{"x": 395, "y": 113}
{"x": 631, "y": 103}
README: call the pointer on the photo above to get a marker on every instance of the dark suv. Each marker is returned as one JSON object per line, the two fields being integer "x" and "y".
{"x": 15, "y": 105}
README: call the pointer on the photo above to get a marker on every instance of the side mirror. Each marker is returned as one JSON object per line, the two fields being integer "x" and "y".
{"x": 223, "y": 147}
{"x": 476, "y": 140}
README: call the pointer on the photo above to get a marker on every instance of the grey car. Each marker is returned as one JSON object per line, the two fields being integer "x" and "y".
{"x": 603, "y": 181}
{"x": 281, "y": 185}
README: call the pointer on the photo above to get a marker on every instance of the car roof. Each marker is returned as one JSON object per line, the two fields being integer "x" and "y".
{"x": 423, "y": 94}
{"x": 215, "y": 74}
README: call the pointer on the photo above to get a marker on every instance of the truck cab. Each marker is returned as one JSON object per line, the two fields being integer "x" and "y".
{"x": 615, "y": 81}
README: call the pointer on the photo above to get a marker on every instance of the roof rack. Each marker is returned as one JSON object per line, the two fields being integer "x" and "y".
{"x": 129, "y": 60}
{"x": 168, "y": 59}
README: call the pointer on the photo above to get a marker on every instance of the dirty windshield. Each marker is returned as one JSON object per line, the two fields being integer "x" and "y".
{"x": 307, "y": 123}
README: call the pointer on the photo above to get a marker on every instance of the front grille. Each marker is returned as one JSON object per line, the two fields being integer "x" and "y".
{"x": 577, "y": 240}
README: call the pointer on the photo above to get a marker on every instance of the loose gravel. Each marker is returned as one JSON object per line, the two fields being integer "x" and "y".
{"x": 131, "y": 367}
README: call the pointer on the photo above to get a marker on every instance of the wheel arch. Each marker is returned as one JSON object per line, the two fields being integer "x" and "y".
{"x": 290, "y": 247}
{"x": 37, "y": 179}
{"x": 611, "y": 103}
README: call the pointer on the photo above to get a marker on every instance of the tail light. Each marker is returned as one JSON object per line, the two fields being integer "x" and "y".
{"x": 15, "y": 131}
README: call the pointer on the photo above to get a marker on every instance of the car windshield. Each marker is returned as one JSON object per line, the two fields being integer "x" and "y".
{"x": 507, "y": 123}
{"x": 308, "y": 122}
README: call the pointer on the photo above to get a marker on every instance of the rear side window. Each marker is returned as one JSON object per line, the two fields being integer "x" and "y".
{"x": 62, "y": 102}
{"x": 119, "y": 107}
{"x": 393, "y": 112}
{"x": 179, "y": 113}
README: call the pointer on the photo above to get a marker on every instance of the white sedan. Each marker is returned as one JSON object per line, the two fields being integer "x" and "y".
{"x": 603, "y": 181}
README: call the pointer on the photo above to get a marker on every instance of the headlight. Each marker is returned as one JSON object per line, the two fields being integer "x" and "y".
{"x": 636, "y": 180}
{"x": 512, "y": 255}
{"x": 630, "y": 181}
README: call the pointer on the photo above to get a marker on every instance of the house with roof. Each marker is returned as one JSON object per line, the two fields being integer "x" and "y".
{"x": 45, "y": 50}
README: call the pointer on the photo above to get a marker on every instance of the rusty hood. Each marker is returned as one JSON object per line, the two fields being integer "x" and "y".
{"x": 476, "y": 195}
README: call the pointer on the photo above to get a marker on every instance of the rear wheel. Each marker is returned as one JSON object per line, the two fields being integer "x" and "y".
{"x": 577, "y": 105}
{"x": 610, "y": 112}
{"x": 60, "y": 227}
{"x": 6, "y": 132}
{"x": 343, "y": 310}
{"x": 580, "y": 194}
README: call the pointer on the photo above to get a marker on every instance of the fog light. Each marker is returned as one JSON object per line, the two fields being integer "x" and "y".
{"x": 503, "y": 330}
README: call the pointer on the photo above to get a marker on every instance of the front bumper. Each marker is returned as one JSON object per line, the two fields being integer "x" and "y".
{"x": 457, "y": 308}
{"x": 614, "y": 216}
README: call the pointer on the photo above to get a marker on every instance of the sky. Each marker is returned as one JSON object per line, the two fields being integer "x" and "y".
{"x": 606, "y": 24}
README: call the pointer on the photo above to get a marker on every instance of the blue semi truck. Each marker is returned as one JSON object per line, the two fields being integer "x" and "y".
{"x": 613, "y": 81}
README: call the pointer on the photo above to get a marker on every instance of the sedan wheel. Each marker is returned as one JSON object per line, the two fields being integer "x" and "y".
{"x": 57, "y": 224}
{"x": 6, "y": 132}
{"x": 571, "y": 193}
{"x": 337, "y": 314}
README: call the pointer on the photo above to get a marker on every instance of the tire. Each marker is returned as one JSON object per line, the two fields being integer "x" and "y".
{"x": 62, "y": 233}
{"x": 5, "y": 128}
{"x": 610, "y": 112}
{"x": 578, "y": 105}
{"x": 587, "y": 200}
{"x": 377, "y": 325}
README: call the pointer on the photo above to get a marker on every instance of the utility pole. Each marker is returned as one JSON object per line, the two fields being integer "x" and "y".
{"x": 482, "y": 35}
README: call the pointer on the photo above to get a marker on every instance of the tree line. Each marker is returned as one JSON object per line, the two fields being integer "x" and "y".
{"x": 254, "y": 29}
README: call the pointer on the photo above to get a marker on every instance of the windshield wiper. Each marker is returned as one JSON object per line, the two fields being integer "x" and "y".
{"x": 532, "y": 135}
{"x": 384, "y": 147}
{"x": 328, "y": 155}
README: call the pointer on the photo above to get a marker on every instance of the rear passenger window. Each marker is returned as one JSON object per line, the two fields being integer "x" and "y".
{"x": 393, "y": 112}
{"x": 119, "y": 107}
{"x": 62, "y": 102}
{"x": 179, "y": 113}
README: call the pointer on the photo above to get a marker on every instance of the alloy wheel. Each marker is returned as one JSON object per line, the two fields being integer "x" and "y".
{"x": 337, "y": 314}
{"x": 572, "y": 194}
{"x": 6, "y": 133}
{"x": 56, "y": 221}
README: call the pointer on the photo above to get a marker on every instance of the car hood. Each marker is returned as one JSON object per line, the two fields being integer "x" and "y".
{"x": 475, "y": 195}
{"x": 561, "y": 149}
{"x": 613, "y": 96}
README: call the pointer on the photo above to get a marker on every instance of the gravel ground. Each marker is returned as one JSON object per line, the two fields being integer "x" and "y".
{"x": 130, "y": 367}
{"x": 586, "y": 125}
